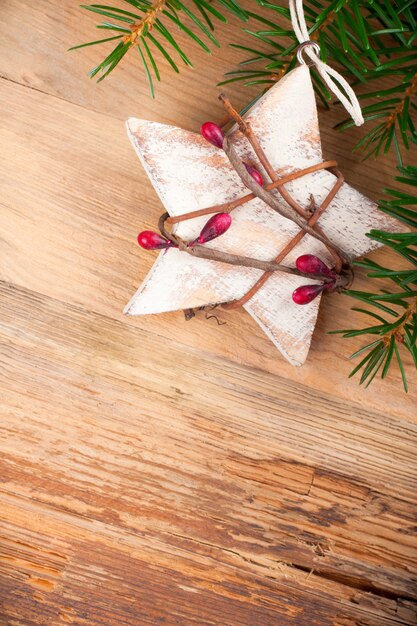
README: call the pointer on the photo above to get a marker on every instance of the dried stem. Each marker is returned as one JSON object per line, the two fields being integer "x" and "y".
{"x": 246, "y": 130}
{"x": 267, "y": 266}
{"x": 227, "y": 207}
{"x": 272, "y": 202}
{"x": 304, "y": 218}
{"x": 296, "y": 211}
{"x": 211, "y": 254}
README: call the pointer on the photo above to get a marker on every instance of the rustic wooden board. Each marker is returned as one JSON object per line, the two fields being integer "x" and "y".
{"x": 113, "y": 464}
{"x": 152, "y": 470}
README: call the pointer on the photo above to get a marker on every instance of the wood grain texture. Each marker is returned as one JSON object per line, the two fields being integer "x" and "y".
{"x": 156, "y": 471}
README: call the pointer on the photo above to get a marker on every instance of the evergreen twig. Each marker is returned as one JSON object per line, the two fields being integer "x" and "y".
{"x": 396, "y": 310}
{"x": 146, "y": 22}
{"x": 369, "y": 40}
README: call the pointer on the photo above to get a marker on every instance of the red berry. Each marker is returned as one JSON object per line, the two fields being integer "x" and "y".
{"x": 306, "y": 293}
{"x": 152, "y": 241}
{"x": 212, "y": 133}
{"x": 254, "y": 173}
{"x": 216, "y": 226}
{"x": 310, "y": 264}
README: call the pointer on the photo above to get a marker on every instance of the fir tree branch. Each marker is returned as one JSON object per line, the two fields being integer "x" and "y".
{"x": 146, "y": 22}
{"x": 397, "y": 330}
{"x": 367, "y": 40}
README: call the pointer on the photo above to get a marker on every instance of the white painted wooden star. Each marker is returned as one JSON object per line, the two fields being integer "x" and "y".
{"x": 189, "y": 174}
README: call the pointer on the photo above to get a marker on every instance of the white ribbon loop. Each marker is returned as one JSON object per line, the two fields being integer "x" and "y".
{"x": 330, "y": 77}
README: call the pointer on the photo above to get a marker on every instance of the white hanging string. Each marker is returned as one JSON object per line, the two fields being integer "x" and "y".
{"x": 330, "y": 77}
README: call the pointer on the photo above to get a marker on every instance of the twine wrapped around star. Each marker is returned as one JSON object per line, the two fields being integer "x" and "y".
{"x": 191, "y": 175}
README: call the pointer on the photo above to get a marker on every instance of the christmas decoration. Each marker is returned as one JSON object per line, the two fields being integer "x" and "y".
{"x": 373, "y": 44}
{"x": 280, "y": 138}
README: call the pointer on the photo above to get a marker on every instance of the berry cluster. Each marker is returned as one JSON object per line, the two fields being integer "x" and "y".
{"x": 214, "y": 135}
{"x": 216, "y": 226}
{"x": 311, "y": 264}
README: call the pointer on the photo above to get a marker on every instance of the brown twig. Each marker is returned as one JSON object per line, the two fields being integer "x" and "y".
{"x": 297, "y": 210}
{"x": 189, "y": 314}
{"x": 211, "y": 254}
{"x": 209, "y": 315}
{"x": 339, "y": 282}
{"x": 246, "y": 130}
{"x": 227, "y": 207}
{"x": 272, "y": 202}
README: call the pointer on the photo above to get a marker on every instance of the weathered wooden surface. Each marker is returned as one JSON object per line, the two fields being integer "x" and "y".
{"x": 155, "y": 471}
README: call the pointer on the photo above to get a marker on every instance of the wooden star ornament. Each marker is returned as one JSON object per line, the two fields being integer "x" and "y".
{"x": 190, "y": 174}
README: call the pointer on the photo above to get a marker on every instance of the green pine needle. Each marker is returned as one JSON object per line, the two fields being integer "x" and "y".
{"x": 369, "y": 41}
{"x": 397, "y": 332}
{"x": 373, "y": 44}
{"x": 153, "y": 22}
